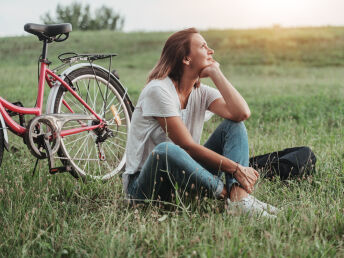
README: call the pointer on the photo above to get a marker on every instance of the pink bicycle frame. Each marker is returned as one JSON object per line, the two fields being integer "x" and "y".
{"x": 37, "y": 110}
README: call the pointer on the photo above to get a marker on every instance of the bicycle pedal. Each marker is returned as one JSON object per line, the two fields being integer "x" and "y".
{"x": 56, "y": 170}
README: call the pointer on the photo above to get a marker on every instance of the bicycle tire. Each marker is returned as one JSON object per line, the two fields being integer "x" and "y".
{"x": 2, "y": 144}
{"x": 93, "y": 86}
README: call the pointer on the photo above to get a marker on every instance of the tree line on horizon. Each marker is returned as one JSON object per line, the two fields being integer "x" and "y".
{"x": 82, "y": 18}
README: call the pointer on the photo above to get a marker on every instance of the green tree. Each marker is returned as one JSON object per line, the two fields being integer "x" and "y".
{"x": 82, "y": 18}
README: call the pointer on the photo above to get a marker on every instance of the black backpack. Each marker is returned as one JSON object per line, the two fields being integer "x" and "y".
{"x": 288, "y": 163}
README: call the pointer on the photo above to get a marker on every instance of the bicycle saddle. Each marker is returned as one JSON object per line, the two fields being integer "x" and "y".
{"x": 47, "y": 31}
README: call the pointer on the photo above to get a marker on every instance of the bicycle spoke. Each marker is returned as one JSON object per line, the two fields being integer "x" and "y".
{"x": 83, "y": 136}
{"x": 110, "y": 168}
{"x": 117, "y": 138}
{"x": 82, "y": 154}
{"x": 67, "y": 98}
{"x": 88, "y": 88}
{"x": 76, "y": 105}
{"x": 80, "y": 159}
{"x": 114, "y": 154}
{"x": 76, "y": 142}
{"x": 105, "y": 101}
{"x": 80, "y": 147}
{"x": 95, "y": 94}
{"x": 118, "y": 132}
{"x": 117, "y": 145}
{"x": 113, "y": 122}
{"x": 88, "y": 92}
{"x": 100, "y": 90}
{"x": 86, "y": 161}
{"x": 108, "y": 106}
{"x": 118, "y": 113}
{"x": 79, "y": 92}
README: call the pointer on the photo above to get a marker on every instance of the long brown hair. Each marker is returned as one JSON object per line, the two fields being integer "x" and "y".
{"x": 176, "y": 48}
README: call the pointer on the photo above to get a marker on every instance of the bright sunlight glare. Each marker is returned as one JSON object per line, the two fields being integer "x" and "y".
{"x": 282, "y": 12}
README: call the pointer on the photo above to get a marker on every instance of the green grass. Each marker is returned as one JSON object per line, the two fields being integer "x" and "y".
{"x": 293, "y": 81}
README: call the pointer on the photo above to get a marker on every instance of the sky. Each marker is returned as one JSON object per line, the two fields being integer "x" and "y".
{"x": 171, "y": 15}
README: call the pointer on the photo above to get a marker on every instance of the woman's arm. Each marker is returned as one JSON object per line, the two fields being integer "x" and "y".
{"x": 232, "y": 106}
{"x": 180, "y": 135}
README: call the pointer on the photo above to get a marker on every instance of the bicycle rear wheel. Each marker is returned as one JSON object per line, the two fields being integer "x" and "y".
{"x": 95, "y": 154}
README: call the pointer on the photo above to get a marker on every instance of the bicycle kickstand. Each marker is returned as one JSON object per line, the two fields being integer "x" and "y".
{"x": 51, "y": 161}
{"x": 34, "y": 169}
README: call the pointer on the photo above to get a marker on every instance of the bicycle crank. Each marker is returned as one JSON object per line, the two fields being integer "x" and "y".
{"x": 41, "y": 131}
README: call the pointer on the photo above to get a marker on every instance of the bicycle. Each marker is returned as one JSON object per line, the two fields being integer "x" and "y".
{"x": 87, "y": 117}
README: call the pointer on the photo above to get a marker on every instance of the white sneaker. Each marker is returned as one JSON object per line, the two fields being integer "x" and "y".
{"x": 250, "y": 206}
{"x": 268, "y": 207}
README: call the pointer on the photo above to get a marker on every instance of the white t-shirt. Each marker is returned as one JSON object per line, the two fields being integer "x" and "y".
{"x": 160, "y": 99}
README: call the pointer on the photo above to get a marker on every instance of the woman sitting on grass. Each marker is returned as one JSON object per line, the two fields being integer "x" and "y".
{"x": 163, "y": 149}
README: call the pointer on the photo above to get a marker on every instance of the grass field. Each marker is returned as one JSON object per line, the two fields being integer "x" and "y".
{"x": 293, "y": 81}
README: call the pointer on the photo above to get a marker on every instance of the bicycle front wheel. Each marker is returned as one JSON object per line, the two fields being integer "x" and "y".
{"x": 95, "y": 154}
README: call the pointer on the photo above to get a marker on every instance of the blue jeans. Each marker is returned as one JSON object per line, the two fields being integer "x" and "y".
{"x": 169, "y": 167}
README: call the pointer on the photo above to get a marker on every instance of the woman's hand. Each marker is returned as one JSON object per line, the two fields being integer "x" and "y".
{"x": 209, "y": 70}
{"x": 247, "y": 177}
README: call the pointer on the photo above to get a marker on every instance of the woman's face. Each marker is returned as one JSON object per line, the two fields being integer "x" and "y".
{"x": 200, "y": 54}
